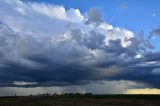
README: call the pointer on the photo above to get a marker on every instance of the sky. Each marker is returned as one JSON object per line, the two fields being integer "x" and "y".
{"x": 103, "y": 47}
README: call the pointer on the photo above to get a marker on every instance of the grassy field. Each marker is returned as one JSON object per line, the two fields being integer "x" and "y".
{"x": 94, "y": 100}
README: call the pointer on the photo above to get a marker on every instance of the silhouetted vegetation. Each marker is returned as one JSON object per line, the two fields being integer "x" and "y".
{"x": 63, "y": 95}
{"x": 80, "y": 99}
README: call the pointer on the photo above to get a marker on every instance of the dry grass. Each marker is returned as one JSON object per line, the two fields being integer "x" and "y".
{"x": 79, "y": 101}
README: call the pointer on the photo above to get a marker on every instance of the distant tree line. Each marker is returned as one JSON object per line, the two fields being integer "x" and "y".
{"x": 63, "y": 94}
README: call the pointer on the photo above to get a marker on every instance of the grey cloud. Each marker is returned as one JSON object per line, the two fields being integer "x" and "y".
{"x": 154, "y": 32}
{"x": 94, "y": 16}
{"x": 115, "y": 47}
{"x": 92, "y": 40}
{"x": 152, "y": 56}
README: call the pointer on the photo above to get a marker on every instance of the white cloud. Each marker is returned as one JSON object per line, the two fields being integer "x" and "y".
{"x": 20, "y": 83}
{"x": 122, "y": 34}
{"x": 112, "y": 33}
{"x": 74, "y": 15}
{"x": 58, "y": 12}
{"x": 52, "y": 11}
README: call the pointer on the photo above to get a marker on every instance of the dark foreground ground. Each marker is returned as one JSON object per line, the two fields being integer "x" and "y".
{"x": 94, "y": 100}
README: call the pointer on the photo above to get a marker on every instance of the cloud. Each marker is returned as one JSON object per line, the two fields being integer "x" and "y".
{"x": 53, "y": 46}
{"x": 57, "y": 12}
{"x": 155, "y": 32}
{"x": 156, "y": 71}
{"x": 94, "y": 16}
{"x": 98, "y": 87}
{"x": 22, "y": 83}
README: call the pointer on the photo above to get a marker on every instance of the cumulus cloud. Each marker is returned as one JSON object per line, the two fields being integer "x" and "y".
{"x": 58, "y": 12}
{"x": 94, "y": 16}
{"x": 53, "y": 46}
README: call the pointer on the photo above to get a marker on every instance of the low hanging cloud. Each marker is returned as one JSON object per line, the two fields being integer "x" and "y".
{"x": 52, "y": 46}
{"x": 22, "y": 83}
{"x": 96, "y": 87}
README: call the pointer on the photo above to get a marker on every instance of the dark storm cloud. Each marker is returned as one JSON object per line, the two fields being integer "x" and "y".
{"x": 53, "y": 72}
{"x": 45, "y": 52}
{"x": 152, "y": 56}
{"x": 144, "y": 70}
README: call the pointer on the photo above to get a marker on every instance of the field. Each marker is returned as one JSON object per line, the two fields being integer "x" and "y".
{"x": 94, "y": 100}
